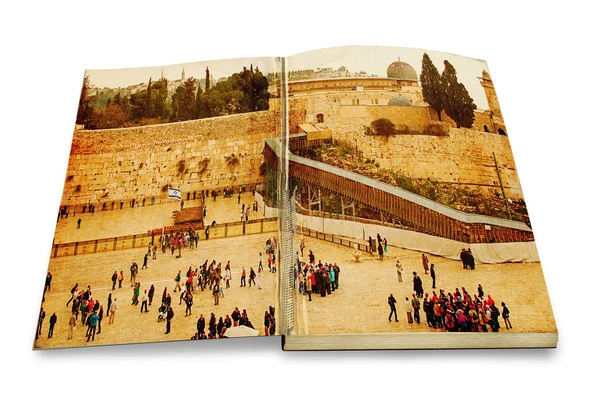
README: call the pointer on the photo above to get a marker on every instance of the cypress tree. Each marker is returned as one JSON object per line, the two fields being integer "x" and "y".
{"x": 431, "y": 82}
{"x": 457, "y": 103}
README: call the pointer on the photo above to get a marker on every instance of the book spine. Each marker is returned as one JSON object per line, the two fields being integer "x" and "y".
{"x": 286, "y": 228}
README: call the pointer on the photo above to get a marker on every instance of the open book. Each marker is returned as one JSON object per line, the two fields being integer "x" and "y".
{"x": 343, "y": 198}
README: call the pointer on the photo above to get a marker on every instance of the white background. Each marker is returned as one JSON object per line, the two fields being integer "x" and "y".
{"x": 543, "y": 58}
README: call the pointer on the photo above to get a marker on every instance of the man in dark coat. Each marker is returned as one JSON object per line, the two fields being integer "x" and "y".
{"x": 432, "y": 273}
{"x": 417, "y": 285}
{"x": 52, "y": 324}
{"x": 201, "y": 324}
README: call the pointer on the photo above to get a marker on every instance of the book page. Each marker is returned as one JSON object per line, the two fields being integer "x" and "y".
{"x": 409, "y": 214}
{"x": 164, "y": 231}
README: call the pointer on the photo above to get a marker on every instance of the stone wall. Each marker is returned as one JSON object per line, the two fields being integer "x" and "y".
{"x": 464, "y": 157}
{"x": 137, "y": 163}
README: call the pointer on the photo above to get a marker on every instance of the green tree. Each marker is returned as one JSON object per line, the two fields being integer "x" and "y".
{"x": 459, "y": 106}
{"x": 85, "y": 111}
{"x": 147, "y": 109}
{"x": 198, "y": 101}
{"x": 431, "y": 82}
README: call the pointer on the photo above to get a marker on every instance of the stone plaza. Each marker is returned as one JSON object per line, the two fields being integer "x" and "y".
{"x": 131, "y": 326}
{"x": 360, "y": 303}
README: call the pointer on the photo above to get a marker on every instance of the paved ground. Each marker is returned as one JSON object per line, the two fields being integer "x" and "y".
{"x": 130, "y": 325}
{"x": 129, "y": 221}
{"x": 360, "y": 304}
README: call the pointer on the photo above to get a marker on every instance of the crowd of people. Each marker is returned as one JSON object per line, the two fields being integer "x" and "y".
{"x": 211, "y": 276}
{"x": 218, "y": 329}
{"x": 316, "y": 277}
{"x": 456, "y": 311}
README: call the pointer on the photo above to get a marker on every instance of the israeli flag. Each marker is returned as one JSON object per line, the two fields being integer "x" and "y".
{"x": 174, "y": 193}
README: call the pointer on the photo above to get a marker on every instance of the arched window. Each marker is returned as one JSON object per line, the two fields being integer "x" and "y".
{"x": 486, "y": 129}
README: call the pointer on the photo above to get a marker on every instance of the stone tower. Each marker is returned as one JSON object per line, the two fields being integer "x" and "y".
{"x": 490, "y": 93}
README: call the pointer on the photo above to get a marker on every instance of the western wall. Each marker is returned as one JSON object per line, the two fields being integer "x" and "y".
{"x": 107, "y": 166}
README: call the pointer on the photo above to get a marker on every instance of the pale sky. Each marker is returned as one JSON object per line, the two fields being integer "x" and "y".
{"x": 371, "y": 59}
{"x": 121, "y": 78}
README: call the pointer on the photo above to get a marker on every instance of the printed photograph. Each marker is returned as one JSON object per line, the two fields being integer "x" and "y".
{"x": 162, "y": 233}
{"x": 409, "y": 214}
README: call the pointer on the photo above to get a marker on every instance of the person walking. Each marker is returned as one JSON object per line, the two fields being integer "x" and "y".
{"x": 392, "y": 304}
{"x": 505, "y": 315}
{"x": 73, "y": 295}
{"x": 177, "y": 282}
{"x": 252, "y": 276}
{"x": 432, "y": 273}
{"x": 399, "y": 270}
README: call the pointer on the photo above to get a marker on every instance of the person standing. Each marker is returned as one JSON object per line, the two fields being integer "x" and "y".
{"x": 113, "y": 311}
{"x": 78, "y": 223}
{"x": 392, "y": 304}
{"x": 308, "y": 285}
{"x": 144, "y": 299}
{"x": 260, "y": 260}
{"x": 399, "y": 270}
{"x": 170, "y": 315}
{"x": 425, "y": 263}
{"x": 380, "y": 251}
{"x": 259, "y": 275}
{"x": 93, "y": 323}
{"x": 201, "y": 324}
{"x": 40, "y": 322}
{"x": 243, "y": 277}
{"x": 216, "y": 294}
{"x": 408, "y": 306}
{"x": 505, "y": 315}
{"x": 432, "y": 272}
{"x": 100, "y": 316}
{"x": 416, "y": 304}
{"x": 417, "y": 285}
{"x": 52, "y": 324}
{"x": 145, "y": 265}
{"x": 121, "y": 277}
{"x": 72, "y": 324}
{"x": 114, "y": 278}
{"x": 150, "y": 295}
